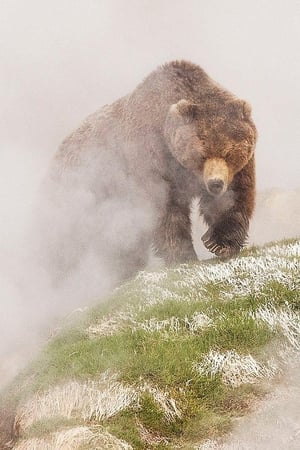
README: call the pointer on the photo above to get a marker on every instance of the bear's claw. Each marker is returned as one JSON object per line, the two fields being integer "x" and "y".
{"x": 219, "y": 250}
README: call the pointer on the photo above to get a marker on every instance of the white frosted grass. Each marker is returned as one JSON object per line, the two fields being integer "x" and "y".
{"x": 91, "y": 400}
{"x": 151, "y": 437}
{"x": 73, "y": 439}
{"x": 207, "y": 445}
{"x": 66, "y": 439}
{"x": 152, "y": 325}
{"x": 109, "y": 325}
{"x": 234, "y": 369}
{"x": 291, "y": 250}
{"x": 283, "y": 318}
{"x": 150, "y": 277}
{"x": 242, "y": 276}
{"x": 198, "y": 321}
{"x": 155, "y": 294}
{"x": 164, "y": 401}
{"x": 239, "y": 277}
{"x": 175, "y": 325}
{"x": 112, "y": 324}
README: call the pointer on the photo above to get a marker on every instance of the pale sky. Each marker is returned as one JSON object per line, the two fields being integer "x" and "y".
{"x": 62, "y": 59}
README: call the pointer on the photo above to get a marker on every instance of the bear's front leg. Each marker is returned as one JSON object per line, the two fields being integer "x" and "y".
{"x": 228, "y": 216}
{"x": 228, "y": 236}
{"x": 173, "y": 237}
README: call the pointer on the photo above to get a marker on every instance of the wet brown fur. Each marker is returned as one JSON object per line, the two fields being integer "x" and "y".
{"x": 164, "y": 132}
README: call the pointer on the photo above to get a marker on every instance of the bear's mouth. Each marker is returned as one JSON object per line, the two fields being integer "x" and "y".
{"x": 215, "y": 187}
{"x": 215, "y": 176}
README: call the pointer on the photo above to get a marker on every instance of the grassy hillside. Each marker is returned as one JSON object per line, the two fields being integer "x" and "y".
{"x": 168, "y": 361}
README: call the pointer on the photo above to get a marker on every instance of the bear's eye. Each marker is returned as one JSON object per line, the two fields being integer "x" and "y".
{"x": 227, "y": 152}
{"x": 202, "y": 142}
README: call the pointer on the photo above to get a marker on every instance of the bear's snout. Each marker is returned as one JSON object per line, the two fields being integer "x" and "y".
{"x": 216, "y": 176}
{"x": 215, "y": 186}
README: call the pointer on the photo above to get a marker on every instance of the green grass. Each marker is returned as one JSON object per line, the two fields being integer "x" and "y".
{"x": 166, "y": 358}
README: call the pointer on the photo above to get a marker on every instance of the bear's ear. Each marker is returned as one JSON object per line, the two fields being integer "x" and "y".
{"x": 185, "y": 109}
{"x": 240, "y": 107}
{"x": 246, "y": 109}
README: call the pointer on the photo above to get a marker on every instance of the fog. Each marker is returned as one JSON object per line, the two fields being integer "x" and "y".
{"x": 62, "y": 60}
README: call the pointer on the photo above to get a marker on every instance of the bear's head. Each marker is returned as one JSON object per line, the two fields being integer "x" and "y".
{"x": 214, "y": 140}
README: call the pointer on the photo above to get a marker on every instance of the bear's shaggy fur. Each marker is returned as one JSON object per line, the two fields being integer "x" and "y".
{"x": 178, "y": 135}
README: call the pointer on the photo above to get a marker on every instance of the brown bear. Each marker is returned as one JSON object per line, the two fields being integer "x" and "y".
{"x": 141, "y": 160}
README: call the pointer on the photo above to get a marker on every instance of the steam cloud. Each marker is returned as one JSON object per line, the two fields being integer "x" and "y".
{"x": 71, "y": 246}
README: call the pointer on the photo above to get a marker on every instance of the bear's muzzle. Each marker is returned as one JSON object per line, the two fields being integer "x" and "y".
{"x": 216, "y": 176}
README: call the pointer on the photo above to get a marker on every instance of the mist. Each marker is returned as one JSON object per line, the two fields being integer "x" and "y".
{"x": 62, "y": 60}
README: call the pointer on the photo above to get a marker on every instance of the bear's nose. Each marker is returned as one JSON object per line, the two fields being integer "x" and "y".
{"x": 215, "y": 186}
